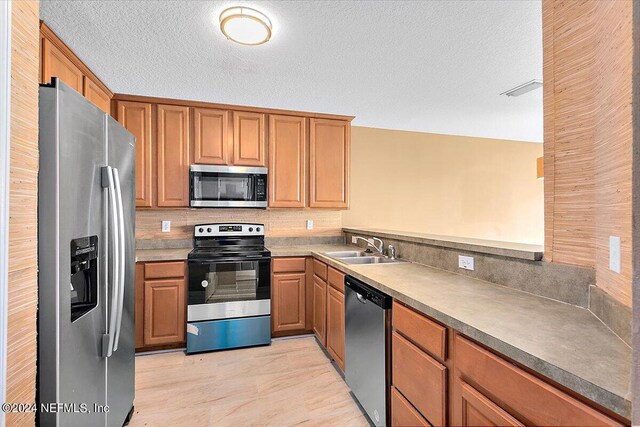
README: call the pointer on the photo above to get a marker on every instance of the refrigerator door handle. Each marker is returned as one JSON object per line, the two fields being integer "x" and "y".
{"x": 108, "y": 339}
{"x": 121, "y": 253}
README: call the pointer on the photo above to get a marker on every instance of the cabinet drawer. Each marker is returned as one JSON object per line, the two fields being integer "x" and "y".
{"x": 163, "y": 270}
{"x": 336, "y": 279}
{"x": 288, "y": 265}
{"x": 420, "y": 378}
{"x": 403, "y": 414}
{"x": 423, "y": 332}
{"x": 536, "y": 402}
{"x": 320, "y": 269}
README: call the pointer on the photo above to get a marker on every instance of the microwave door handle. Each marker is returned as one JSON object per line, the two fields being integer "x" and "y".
{"x": 121, "y": 254}
{"x": 108, "y": 340}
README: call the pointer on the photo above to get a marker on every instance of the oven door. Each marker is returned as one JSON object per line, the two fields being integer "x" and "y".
{"x": 225, "y": 289}
{"x": 228, "y": 186}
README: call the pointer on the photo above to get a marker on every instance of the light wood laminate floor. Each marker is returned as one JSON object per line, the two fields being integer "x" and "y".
{"x": 290, "y": 382}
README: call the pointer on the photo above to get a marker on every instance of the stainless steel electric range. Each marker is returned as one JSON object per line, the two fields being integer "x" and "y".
{"x": 229, "y": 302}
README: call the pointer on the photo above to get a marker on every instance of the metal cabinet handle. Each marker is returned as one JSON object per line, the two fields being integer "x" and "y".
{"x": 121, "y": 254}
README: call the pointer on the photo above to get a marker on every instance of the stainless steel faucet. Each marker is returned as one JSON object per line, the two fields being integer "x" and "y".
{"x": 372, "y": 242}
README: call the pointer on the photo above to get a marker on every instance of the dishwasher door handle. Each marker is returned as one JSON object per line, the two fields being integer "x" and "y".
{"x": 361, "y": 298}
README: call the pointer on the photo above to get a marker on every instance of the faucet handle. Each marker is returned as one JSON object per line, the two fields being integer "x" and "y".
{"x": 391, "y": 251}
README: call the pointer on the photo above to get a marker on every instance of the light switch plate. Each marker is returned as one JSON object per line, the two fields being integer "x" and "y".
{"x": 166, "y": 226}
{"x": 465, "y": 262}
{"x": 309, "y": 224}
{"x": 614, "y": 253}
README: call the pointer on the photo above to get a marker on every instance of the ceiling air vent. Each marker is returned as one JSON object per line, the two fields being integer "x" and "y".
{"x": 523, "y": 88}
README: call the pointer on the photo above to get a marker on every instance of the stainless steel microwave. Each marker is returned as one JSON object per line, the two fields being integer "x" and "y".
{"x": 227, "y": 186}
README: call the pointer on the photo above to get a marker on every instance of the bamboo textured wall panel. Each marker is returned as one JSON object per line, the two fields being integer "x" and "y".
{"x": 587, "y": 145}
{"x": 613, "y": 143}
{"x": 278, "y": 223}
{"x": 23, "y": 210}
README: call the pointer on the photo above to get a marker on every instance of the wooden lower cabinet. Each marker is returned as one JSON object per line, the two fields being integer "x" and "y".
{"x": 478, "y": 410}
{"x": 420, "y": 378}
{"x": 320, "y": 309}
{"x": 160, "y": 305}
{"x": 441, "y": 377}
{"x": 288, "y": 302}
{"x": 403, "y": 414}
{"x": 335, "y": 325}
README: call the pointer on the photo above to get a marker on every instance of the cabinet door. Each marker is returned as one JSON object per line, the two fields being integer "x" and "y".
{"x": 139, "y": 306}
{"x": 320, "y": 309}
{"x": 289, "y": 302}
{"x": 248, "y": 139}
{"x": 478, "y": 410}
{"x": 173, "y": 156}
{"x": 210, "y": 136}
{"x": 136, "y": 118}
{"x": 164, "y": 311}
{"x": 95, "y": 94}
{"x": 329, "y": 146}
{"x": 287, "y": 160}
{"x": 56, "y": 64}
{"x": 335, "y": 325}
{"x": 403, "y": 414}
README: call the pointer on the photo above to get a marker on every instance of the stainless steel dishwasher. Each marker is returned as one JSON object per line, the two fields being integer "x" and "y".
{"x": 367, "y": 319}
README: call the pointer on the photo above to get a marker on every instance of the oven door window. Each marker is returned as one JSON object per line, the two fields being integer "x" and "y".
{"x": 219, "y": 282}
{"x": 223, "y": 186}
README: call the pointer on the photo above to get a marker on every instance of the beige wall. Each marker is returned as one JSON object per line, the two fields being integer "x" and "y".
{"x": 447, "y": 185}
{"x": 23, "y": 211}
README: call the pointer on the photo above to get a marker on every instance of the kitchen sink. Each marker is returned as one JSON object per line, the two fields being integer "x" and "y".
{"x": 346, "y": 254}
{"x": 370, "y": 260}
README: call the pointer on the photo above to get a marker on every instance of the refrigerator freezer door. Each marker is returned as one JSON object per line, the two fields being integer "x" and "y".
{"x": 120, "y": 365}
{"x": 71, "y": 368}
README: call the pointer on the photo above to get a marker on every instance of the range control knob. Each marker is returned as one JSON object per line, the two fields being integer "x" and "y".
{"x": 204, "y": 283}
{"x": 250, "y": 229}
{"x": 200, "y": 229}
{"x": 257, "y": 228}
{"x": 209, "y": 230}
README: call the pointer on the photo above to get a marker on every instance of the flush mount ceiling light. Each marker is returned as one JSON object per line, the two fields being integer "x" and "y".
{"x": 245, "y": 25}
{"x": 523, "y": 88}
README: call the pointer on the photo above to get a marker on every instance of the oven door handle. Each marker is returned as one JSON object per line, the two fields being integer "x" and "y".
{"x": 227, "y": 260}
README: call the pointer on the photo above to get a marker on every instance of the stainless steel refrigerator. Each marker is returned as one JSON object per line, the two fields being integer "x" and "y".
{"x": 86, "y": 254}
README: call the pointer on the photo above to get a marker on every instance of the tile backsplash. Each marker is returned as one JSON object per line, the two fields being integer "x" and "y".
{"x": 278, "y": 222}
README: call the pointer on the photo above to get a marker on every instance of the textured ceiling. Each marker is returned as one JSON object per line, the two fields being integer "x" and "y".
{"x": 430, "y": 66}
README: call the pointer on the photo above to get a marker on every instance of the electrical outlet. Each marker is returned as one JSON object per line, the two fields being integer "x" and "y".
{"x": 309, "y": 224}
{"x": 465, "y": 262}
{"x": 166, "y": 226}
{"x": 614, "y": 253}
{"x": 354, "y": 240}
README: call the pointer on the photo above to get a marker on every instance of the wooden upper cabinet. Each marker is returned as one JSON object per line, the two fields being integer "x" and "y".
{"x": 289, "y": 302}
{"x": 136, "y": 118}
{"x": 287, "y": 161}
{"x": 248, "y": 139}
{"x": 329, "y": 151}
{"x": 173, "y": 155}
{"x": 56, "y": 64}
{"x": 95, "y": 94}
{"x": 210, "y": 136}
